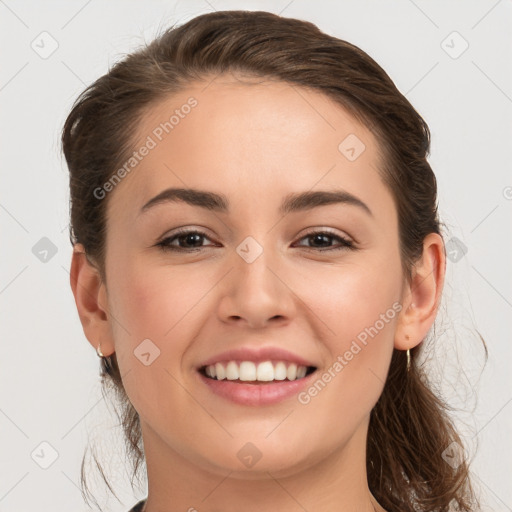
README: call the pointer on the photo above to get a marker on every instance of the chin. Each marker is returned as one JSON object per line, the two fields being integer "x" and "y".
{"x": 251, "y": 463}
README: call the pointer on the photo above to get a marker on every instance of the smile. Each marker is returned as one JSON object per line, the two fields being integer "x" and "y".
{"x": 256, "y": 384}
{"x": 248, "y": 371}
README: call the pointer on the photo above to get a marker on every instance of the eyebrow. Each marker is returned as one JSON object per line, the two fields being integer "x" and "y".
{"x": 294, "y": 202}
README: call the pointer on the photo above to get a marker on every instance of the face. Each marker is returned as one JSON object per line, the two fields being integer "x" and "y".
{"x": 320, "y": 280}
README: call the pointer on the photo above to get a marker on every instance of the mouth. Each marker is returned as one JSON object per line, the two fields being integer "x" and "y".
{"x": 256, "y": 383}
{"x": 248, "y": 372}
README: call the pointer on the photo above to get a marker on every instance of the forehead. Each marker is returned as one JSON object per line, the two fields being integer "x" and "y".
{"x": 253, "y": 141}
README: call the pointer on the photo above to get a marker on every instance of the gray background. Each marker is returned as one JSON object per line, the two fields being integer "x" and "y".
{"x": 50, "y": 400}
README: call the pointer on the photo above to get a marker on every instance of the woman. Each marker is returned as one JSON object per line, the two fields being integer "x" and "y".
{"x": 258, "y": 260}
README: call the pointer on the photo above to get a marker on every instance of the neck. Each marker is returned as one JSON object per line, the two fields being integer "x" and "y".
{"x": 336, "y": 481}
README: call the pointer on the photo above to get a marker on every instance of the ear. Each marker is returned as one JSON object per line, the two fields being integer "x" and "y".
{"x": 422, "y": 295}
{"x": 90, "y": 295}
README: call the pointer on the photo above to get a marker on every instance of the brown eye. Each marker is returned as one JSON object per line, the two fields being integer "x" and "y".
{"x": 191, "y": 240}
{"x": 323, "y": 237}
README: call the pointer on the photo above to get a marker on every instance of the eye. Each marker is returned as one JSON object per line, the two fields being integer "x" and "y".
{"x": 322, "y": 237}
{"x": 191, "y": 241}
{"x": 192, "y": 237}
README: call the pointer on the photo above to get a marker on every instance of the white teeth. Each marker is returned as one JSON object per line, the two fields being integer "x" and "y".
{"x": 280, "y": 371}
{"x": 248, "y": 371}
{"x": 265, "y": 371}
{"x": 220, "y": 373}
{"x": 301, "y": 372}
{"x": 231, "y": 371}
{"x": 292, "y": 372}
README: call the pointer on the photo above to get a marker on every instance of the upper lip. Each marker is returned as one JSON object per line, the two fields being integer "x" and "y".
{"x": 257, "y": 355}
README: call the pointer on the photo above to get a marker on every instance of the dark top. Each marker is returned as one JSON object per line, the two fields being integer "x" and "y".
{"x": 138, "y": 507}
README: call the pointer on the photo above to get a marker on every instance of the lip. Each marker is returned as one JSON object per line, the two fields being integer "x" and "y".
{"x": 257, "y": 355}
{"x": 257, "y": 394}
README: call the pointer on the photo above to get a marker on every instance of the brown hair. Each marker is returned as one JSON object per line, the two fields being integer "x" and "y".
{"x": 409, "y": 426}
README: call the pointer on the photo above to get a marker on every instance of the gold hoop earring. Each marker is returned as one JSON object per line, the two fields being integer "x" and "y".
{"x": 98, "y": 351}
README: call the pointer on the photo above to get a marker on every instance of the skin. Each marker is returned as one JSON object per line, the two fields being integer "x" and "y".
{"x": 255, "y": 143}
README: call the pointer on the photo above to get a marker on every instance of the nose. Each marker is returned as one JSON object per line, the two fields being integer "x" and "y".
{"x": 256, "y": 294}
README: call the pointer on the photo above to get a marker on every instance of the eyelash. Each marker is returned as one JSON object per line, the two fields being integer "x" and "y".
{"x": 165, "y": 243}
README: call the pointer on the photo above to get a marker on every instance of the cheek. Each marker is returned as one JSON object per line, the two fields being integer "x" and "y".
{"x": 153, "y": 312}
{"x": 355, "y": 318}
{"x": 349, "y": 299}
{"x": 357, "y": 307}
{"x": 357, "y": 313}
{"x": 154, "y": 302}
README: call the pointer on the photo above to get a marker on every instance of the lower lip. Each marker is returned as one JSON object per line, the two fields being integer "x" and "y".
{"x": 262, "y": 393}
